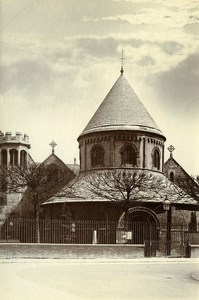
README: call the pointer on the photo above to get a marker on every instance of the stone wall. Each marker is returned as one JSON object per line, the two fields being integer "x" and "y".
{"x": 171, "y": 166}
{"x": 113, "y": 142}
{"x": 16, "y": 250}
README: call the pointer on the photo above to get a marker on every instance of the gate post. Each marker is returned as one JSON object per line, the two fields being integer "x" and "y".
{"x": 147, "y": 249}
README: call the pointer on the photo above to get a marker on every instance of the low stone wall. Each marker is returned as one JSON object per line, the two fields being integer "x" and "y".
{"x": 68, "y": 251}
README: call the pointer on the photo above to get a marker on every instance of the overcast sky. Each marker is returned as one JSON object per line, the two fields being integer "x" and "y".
{"x": 59, "y": 59}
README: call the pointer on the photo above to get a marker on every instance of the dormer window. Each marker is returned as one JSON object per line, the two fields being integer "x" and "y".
{"x": 128, "y": 156}
{"x": 97, "y": 156}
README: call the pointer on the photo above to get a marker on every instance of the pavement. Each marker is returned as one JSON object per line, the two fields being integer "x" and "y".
{"x": 152, "y": 260}
{"x": 195, "y": 276}
{"x": 75, "y": 279}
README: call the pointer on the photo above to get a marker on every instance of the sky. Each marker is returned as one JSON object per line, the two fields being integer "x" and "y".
{"x": 59, "y": 59}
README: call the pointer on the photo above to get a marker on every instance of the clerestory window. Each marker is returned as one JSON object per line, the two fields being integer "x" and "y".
{"x": 156, "y": 159}
{"x": 97, "y": 156}
{"x": 128, "y": 156}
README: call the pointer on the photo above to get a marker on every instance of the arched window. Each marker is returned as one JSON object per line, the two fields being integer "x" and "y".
{"x": 23, "y": 159}
{"x": 128, "y": 154}
{"x": 97, "y": 156}
{"x": 156, "y": 159}
{"x": 171, "y": 176}
{"x": 4, "y": 160}
{"x": 13, "y": 157}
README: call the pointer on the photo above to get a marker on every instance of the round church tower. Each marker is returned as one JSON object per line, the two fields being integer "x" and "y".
{"x": 121, "y": 134}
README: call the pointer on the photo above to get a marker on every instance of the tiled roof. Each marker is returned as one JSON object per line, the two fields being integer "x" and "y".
{"x": 79, "y": 190}
{"x": 121, "y": 110}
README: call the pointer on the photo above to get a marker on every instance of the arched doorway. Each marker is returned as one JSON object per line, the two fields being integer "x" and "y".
{"x": 143, "y": 224}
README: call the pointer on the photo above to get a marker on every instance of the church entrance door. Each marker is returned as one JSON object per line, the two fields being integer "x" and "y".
{"x": 143, "y": 226}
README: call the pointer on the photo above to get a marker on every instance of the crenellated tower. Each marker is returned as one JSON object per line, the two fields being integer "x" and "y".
{"x": 14, "y": 149}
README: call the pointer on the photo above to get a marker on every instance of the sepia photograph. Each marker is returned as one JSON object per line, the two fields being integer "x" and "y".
{"x": 99, "y": 159}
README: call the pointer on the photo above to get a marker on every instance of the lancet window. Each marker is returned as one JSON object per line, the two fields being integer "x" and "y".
{"x": 171, "y": 176}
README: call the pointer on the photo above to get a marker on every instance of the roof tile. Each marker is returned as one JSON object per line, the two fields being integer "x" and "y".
{"x": 121, "y": 110}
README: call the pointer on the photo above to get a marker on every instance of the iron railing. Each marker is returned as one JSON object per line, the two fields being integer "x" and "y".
{"x": 97, "y": 232}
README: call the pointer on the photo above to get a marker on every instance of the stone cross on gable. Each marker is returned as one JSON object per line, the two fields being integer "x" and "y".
{"x": 171, "y": 149}
{"x": 53, "y": 145}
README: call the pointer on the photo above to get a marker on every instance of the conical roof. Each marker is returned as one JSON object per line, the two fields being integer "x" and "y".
{"x": 121, "y": 110}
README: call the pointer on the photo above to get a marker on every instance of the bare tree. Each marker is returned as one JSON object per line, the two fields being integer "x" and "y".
{"x": 187, "y": 187}
{"x": 197, "y": 179}
{"x": 125, "y": 187}
{"x": 34, "y": 179}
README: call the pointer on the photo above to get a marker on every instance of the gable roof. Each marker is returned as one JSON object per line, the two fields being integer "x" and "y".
{"x": 172, "y": 162}
{"x": 54, "y": 159}
{"x": 121, "y": 110}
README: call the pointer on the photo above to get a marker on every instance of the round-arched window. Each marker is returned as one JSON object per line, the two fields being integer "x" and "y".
{"x": 23, "y": 159}
{"x": 128, "y": 155}
{"x": 156, "y": 159}
{"x": 97, "y": 156}
{"x": 13, "y": 157}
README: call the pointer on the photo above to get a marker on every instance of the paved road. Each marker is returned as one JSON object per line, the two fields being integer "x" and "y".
{"x": 82, "y": 280}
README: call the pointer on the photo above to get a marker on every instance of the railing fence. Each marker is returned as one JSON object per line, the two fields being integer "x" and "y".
{"x": 102, "y": 232}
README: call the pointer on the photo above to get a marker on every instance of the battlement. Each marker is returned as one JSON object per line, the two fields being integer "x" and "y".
{"x": 17, "y": 138}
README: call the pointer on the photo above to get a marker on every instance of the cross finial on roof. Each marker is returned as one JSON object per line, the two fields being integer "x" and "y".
{"x": 171, "y": 149}
{"x": 53, "y": 145}
{"x": 122, "y": 66}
